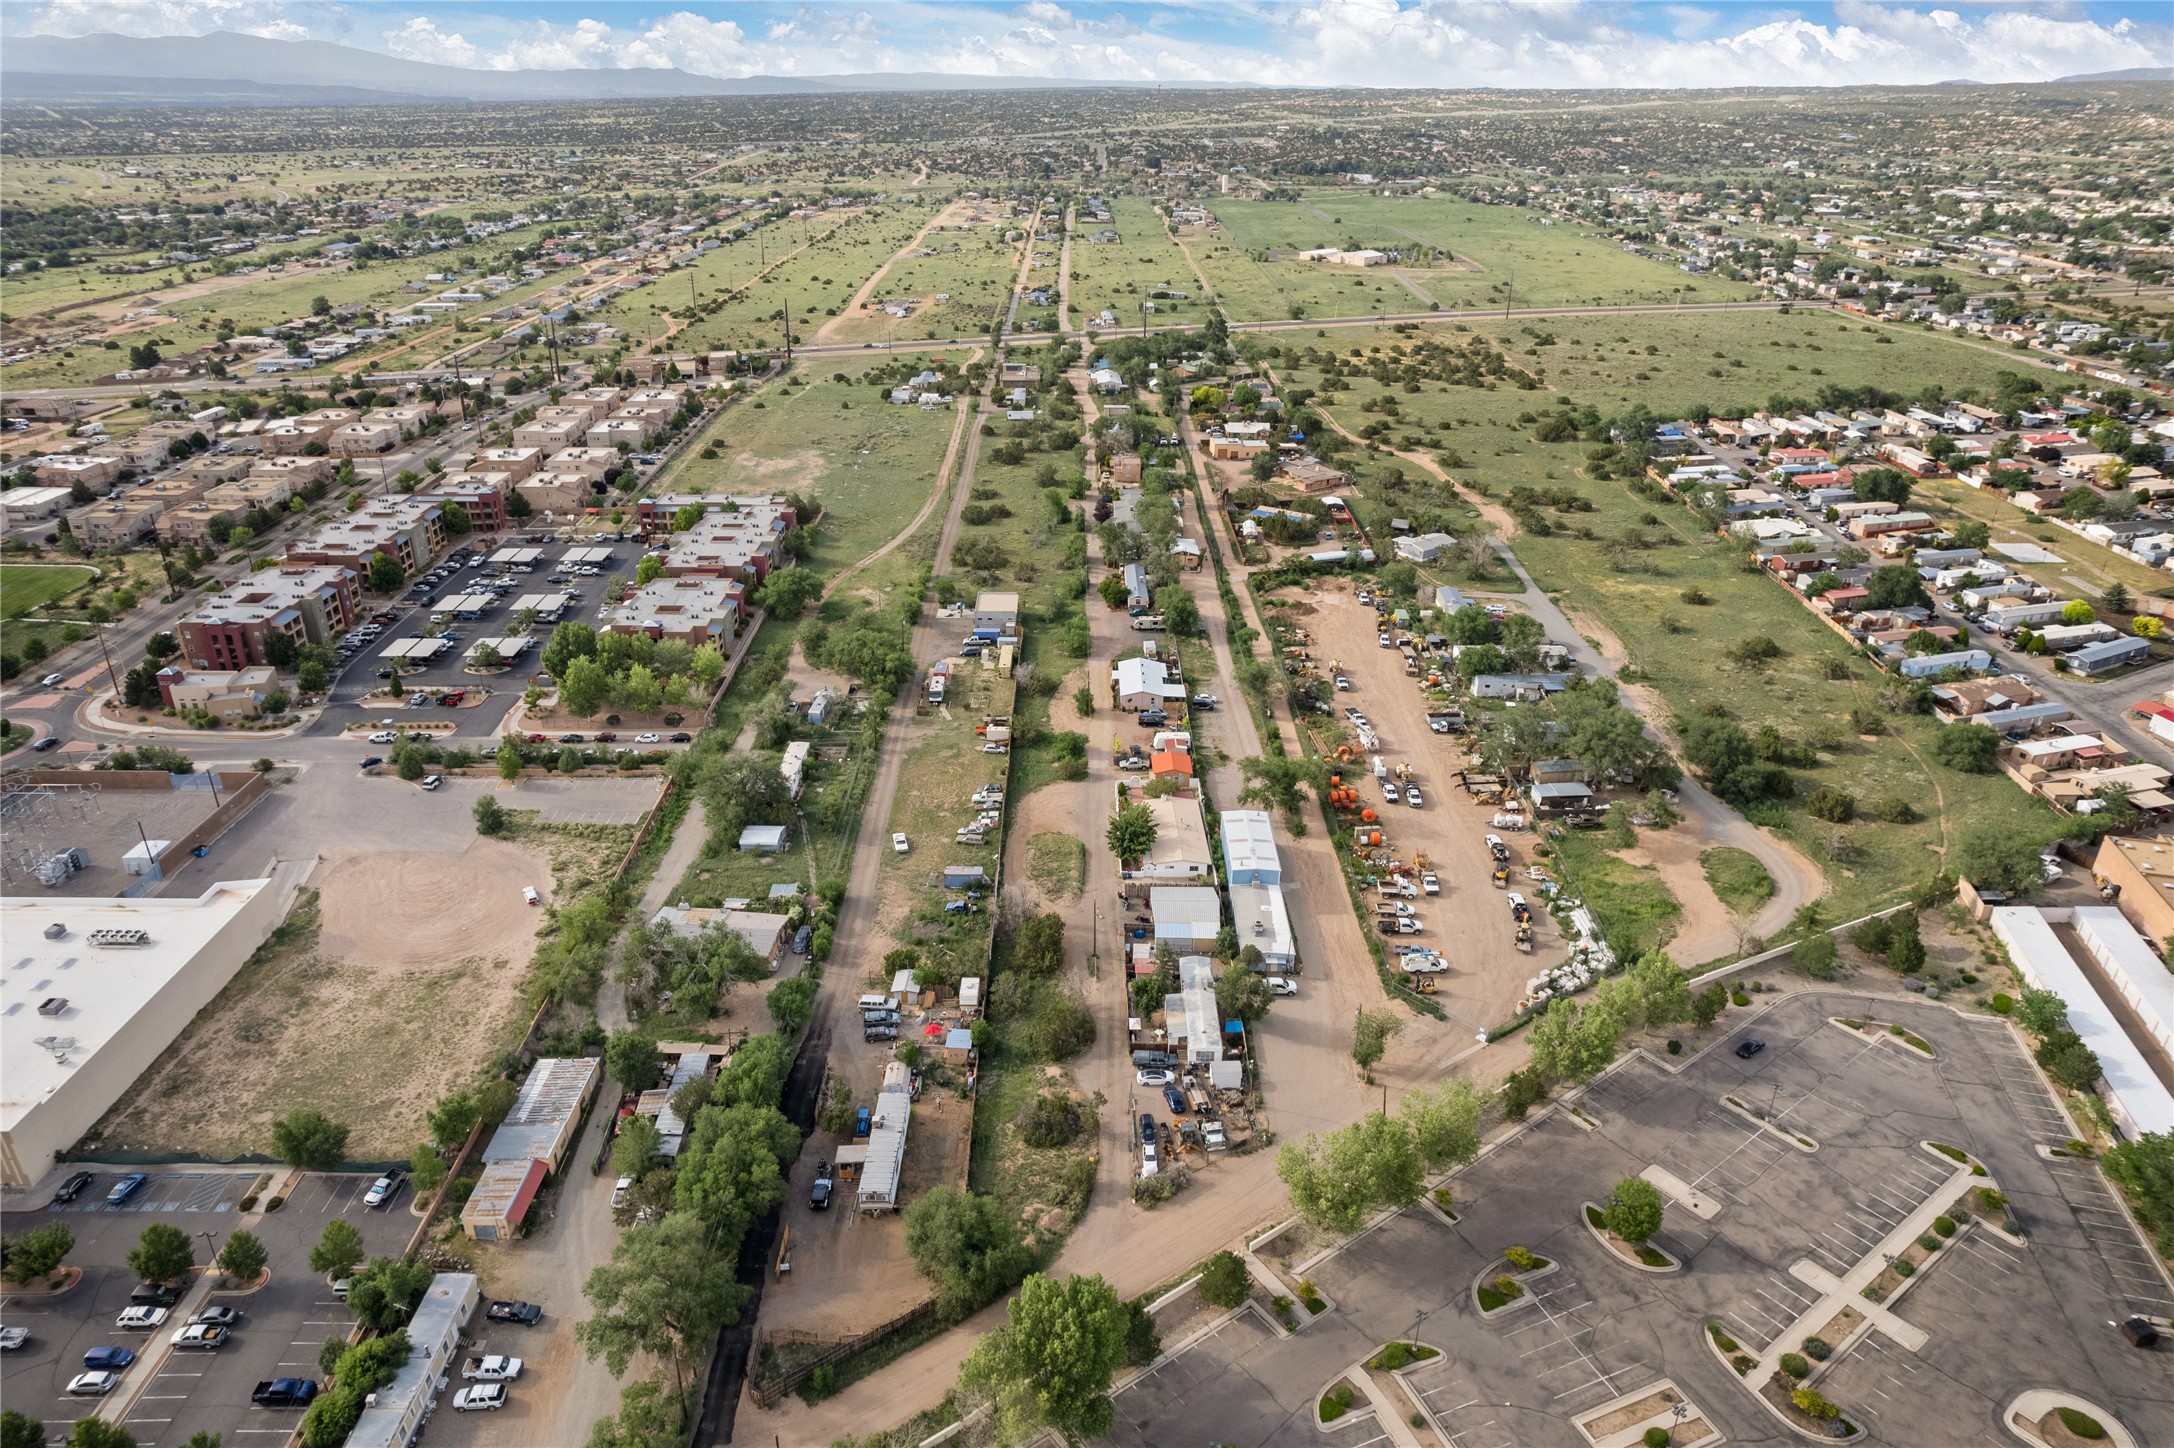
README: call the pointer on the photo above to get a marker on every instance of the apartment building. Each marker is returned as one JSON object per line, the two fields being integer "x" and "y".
{"x": 306, "y": 604}
{"x": 411, "y": 530}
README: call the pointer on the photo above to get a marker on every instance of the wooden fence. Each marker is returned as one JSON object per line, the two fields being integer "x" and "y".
{"x": 769, "y": 1392}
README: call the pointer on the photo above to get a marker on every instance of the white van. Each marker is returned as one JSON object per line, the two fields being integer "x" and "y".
{"x": 879, "y": 1003}
{"x": 1149, "y": 1166}
{"x": 528, "y": 893}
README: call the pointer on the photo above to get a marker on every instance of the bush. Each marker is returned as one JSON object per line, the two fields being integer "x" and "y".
{"x": 1521, "y": 1258}
{"x": 1991, "y": 1200}
{"x": 1813, "y": 1404}
{"x": 1739, "y": 999}
{"x": 2002, "y": 1003}
{"x": 1952, "y": 1153}
{"x": 1944, "y": 1225}
{"x": 1929, "y": 1242}
{"x": 1489, "y": 1299}
{"x": 1795, "y": 1365}
{"x": 1721, "y": 1339}
{"x": 1336, "y": 1402}
{"x": 1818, "y": 1349}
{"x": 1508, "y": 1287}
{"x": 1655, "y": 1438}
{"x": 1904, "y": 1267}
{"x": 1392, "y": 1357}
{"x": 1224, "y": 1281}
{"x": 2082, "y": 1424}
{"x": 1051, "y": 1120}
{"x": 1833, "y": 805}
{"x": 1675, "y": 1047}
{"x": 275, "y": 1204}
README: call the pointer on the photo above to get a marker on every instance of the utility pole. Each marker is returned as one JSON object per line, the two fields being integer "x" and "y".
{"x": 111, "y": 678}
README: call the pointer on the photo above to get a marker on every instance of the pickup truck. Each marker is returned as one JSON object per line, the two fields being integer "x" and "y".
{"x": 284, "y": 1392}
{"x": 492, "y": 1369}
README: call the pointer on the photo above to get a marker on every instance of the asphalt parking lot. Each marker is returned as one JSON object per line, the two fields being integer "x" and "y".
{"x": 1999, "y": 1314}
{"x": 284, "y": 1325}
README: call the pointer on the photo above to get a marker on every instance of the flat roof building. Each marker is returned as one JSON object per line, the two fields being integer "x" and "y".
{"x": 1249, "y": 848}
{"x": 2139, "y": 1101}
{"x": 886, "y": 1160}
{"x": 693, "y": 609}
{"x": 411, "y": 530}
{"x": 96, "y": 989}
{"x": 308, "y": 605}
{"x": 397, "y": 1410}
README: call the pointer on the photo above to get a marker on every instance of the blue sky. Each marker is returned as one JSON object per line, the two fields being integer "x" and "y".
{"x": 1509, "y": 43}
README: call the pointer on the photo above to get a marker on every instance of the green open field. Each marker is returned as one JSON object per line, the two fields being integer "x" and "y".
{"x": 1120, "y": 275}
{"x": 24, "y": 586}
{"x": 817, "y": 282}
{"x": 2085, "y": 566}
{"x": 1627, "y": 564}
{"x": 971, "y": 265}
{"x": 1499, "y": 251}
{"x": 870, "y": 464}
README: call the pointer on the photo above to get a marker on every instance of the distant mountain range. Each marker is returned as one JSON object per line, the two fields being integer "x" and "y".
{"x": 2144, "y": 72}
{"x": 224, "y": 68}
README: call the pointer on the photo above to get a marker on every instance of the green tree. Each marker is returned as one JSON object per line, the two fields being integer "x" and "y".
{"x": 632, "y": 1059}
{"x": 1445, "y": 1122}
{"x": 426, "y": 1169}
{"x": 1049, "y": 1366}
{"x": 1570, "y": 1043}
{"x": 1038, "y": 945}
{"x": 2041, "y": 1012}
{"x": 1132, "y": 832}
{"x": 648, "y": 1417}
{"x": 242, "y": 1256}
{"x": 1242, "y": 994}
{"x": 98, "y": 1433}
{"x": 1896, "y": 586}
{"x": 1633, "y": 1209}
{"x": 1335, "y": 1182}
{"x": 509, "y": 759}
{"x": 2066, "y": 1059}
{"x": 384, "y": 1295}
{"x": 2116, "y": 597}
{"x": 648, "y": 571}
{"x": 490, "y": 816}
{"x": 452, "y": 1118}
{"x": 1708, "y": 1004}
{"x": 339, "y": 1251}
{"x": 1998, "y": 858}
{"x": 1815, "y": 955}
{"x": 20, "y": 1431}
{"x": 310, "y": 677}
{"x": 664, "y": 1292}
{"x": 1279, "y": 783}
{"x": 732, "y": 1169}
{"x": 1965, "y": 747}
{"x": 162, "y": 1253}
{"x": 2144, "y": 1170}
{"x": 37, "y": 1253}
{"x": 569, "y": 641}
{"x": 1224, "y": 1280}
{"x": 386, "y": 574}
{"x": 1905, "y": 951}
{"x": 636, "y": 1147}
{"x": 410, "y": 764}
{"x": 1665, "y": 991}
{"x": 968, "y": 1245}
{"x": 1370, "y": 1033}
{"x": 309, "y": 1140}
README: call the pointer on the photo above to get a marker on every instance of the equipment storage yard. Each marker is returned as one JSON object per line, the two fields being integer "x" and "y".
{"x": 1469, "y": 922}
{"x": 59, "y": 814}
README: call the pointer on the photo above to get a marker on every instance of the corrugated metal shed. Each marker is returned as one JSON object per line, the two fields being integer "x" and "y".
{"x": 887, "y": 1140}
{"x": 501, "y": 1199}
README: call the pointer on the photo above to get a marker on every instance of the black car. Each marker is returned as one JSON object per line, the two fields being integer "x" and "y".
{"x": 1746, "y": 1049}
{"x": 682, "y": 737}
{"x": 1147, "y": 1128}
{"x": 73, "y": 1187}
{"x": 525, "y": 1313}
{"x": 154, "y": 1294}
{"x": 284, "y": 1393}
{"x": 50, "y": 741}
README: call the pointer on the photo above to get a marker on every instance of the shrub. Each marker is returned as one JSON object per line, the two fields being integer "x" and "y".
{"x": 1795, "y": 1365}
{"x": 1336, "y": 1402}
{"x": 1521, "y": 1258}
{"x": 1675, "y": 1047}
{"x": 1743, "y": 1363}
{"x": 1655, "y": 1438}
{"x": 1592, "y": 1215}
{"x": 2002, "y": 1003}
{"x": 1813, "y": 1404}
{"x": 249, "y": 1203}
{"x": 1721, "y": 1339}
{"x": 1818, "y": 1349}
{"x": 1311, "y": 1296}
{"x": 1392, "y": 1357}
{"x": 1443, "y": 1197}
{"x": 1944, "y": 1225}
{"x": 1509, "y": 1287}
{"x": 1904, "y": 1267}
{"x": 2083, "y": 1425}
{"x": 1952, "y": 1153}
{"x": 1833, "y": 805}
{"x": 1930, "y": 1243}
{"x": 1739, "y": 999}
{"x": 275, "y": 1204}
{"x": 1224, "y": 1281}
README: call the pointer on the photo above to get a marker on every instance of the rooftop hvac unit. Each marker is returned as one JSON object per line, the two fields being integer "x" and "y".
{"x": 54, "y": 1043}
{"x": 119, "y": 937}
{"x": 53, "y": 1005}
{"x": 56, "y": 931}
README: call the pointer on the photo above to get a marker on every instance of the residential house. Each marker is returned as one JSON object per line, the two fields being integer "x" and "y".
{"x": 1144, "y": 684}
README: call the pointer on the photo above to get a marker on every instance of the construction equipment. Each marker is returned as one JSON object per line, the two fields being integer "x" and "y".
{"x": 1502, "y": 877}
{"x": 1524, "y": 938}
{"x": 1420, "y": 984}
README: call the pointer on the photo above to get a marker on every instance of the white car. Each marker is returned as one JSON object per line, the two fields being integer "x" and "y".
{"x": 482, "y": 1398}
{"x": 1411, "y": 795}
{"x": 1283, "y": 985}
{"x": 1513, "y": 899}
{"x": 383, "y": 736}
{"x": 12, "y": 1338}
{"x": 1431, "y": 883}
{"x": 649, "y": 739}
{"x": 619, "y": 1190}
{"x": 1343, "y": 685}
{"x": 433, "y": 781}
{"x": 1150, "y": 1076}
{"x": 93, "y": 1385}
{"x": 140, "y": 1319}
{"x": 50, "y": 681}
{"x": 898, "y": 842}
{"x": 2052, "y": 866}
{"x": 1390, "y": 794}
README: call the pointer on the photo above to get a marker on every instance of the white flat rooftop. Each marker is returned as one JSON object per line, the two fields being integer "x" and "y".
{"x": 99, "y": 987}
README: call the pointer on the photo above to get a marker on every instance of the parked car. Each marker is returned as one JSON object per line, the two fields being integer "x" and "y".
{"x": 1283, "y": 985}
{"x": 216, "y": 1317}
{"x": 372, "y": 761}
{"x": 383, "y": 736}
{"x": 284, "y": 1392}
{"x": 1205, "y": 701}
{"x": 619, "y": 1190}
{"x": 1147, "y": 1127}
{"x": 571, "y": 739}
{"x": 1411, "y": 795}
{"x": 492, "y": 1368}
{"x": 73, "y": 1187}
{"x": 1431, "y": 883}
{"x": 384, "y": 1189}
{"x": 12, "y": 1338}
{"x": 140, "y": 1319}
{"x": 525, "y": 1313}
{"x": 1746, "y": 1049}
{"x": 1176, "y": 1098}
{"x": 93, "y": 1385}
{"x": 1153, "y": 1077}
{"x": 108, "y": 1359}
{"x": 648, "y": 739}
{"x": 682, "y": 737}
{"x": 433, "y": 781}
{"x": 899, "y": 842}
{"x": 482, "y": 1398}
{"x": 200, "y": 1337}
{"x": 819, "y": 1193}
{"x": 125, "y": 1188}
{"x": 154, "y": 1294}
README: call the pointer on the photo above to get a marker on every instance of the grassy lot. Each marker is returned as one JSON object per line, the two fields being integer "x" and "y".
{"x": 1739, "y": 880}
{"x": 1628, "y": 564}
{"x": 1120, "y": 275}
{"x": 1500, "y": 252}
{"x": 25, "y": 586}
{"x": 1632, "y": 903}
{"x": 825, "y": 269}
{"x": 1057, "y": 864}
{"x": 972, "y": 266}
{"x": 2086, "y": 567}
{"x": 946, "y": 765}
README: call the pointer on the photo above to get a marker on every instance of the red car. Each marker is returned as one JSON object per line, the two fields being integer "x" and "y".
{"x": 536, "y": 739}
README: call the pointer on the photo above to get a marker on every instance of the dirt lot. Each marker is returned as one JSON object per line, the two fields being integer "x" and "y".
{"x": 395, "y": 978}
{"x": 1469, "y": 921}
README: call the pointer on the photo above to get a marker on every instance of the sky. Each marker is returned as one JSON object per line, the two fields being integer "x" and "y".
{"x": 1447, "y": 43}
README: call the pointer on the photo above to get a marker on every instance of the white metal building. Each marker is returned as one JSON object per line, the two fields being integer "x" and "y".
{"x": 400, "y": 1408}
{"x": 2134, "y": 1094}
{"x": 886, "y": 1161}
{"x": 2132, "y": 967}
{"x": 97, "y": 989}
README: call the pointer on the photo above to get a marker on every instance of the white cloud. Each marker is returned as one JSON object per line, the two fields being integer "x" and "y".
{"x": 420, "y": 39}
{"x": 1445, "y": 43}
